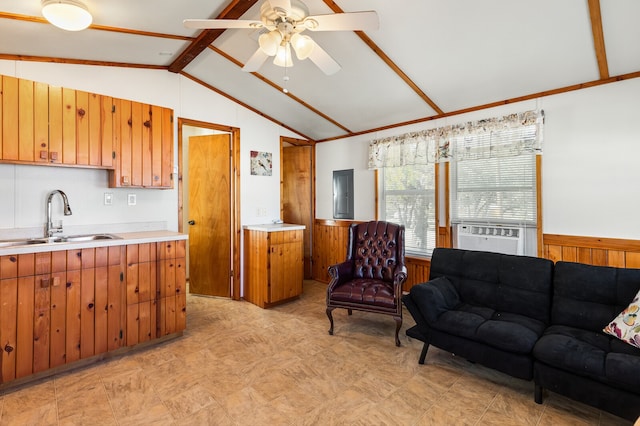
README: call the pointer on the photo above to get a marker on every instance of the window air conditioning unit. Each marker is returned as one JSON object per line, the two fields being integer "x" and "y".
{"x": 494, "y": 238}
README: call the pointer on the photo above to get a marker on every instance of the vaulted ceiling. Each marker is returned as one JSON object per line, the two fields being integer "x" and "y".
{"x": 428, "y": 59}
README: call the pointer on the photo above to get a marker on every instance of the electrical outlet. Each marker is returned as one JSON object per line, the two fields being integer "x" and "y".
{"x": 262, "y": 212}
{"x": 108, "y": 198}
{"x": 131, "y": 199}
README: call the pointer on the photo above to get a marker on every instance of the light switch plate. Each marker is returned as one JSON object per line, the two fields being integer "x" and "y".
{"x": 108, "y": 198}
{"x": 131, "y": 199}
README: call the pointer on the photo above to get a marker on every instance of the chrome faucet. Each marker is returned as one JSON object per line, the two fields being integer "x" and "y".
{"x": 51, "y": 229}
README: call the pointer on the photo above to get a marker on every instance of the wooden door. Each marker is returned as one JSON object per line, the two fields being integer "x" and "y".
{"x": 210, "y": 215}
{"x": 297, "y": 197}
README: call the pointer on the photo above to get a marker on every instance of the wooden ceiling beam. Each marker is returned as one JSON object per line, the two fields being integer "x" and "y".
{"x": 387, "y": 60}
{"x": 234, "y": 10}
{"x": 598, "y": 38}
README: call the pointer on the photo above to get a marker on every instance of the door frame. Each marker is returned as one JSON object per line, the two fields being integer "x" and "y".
{"x": 235, "y": 192}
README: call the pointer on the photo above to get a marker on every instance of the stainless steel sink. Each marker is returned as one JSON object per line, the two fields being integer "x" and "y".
{"x": 22, "y": 242}
{"x": 81, "y": 238}
{"x": 54, "y": 240}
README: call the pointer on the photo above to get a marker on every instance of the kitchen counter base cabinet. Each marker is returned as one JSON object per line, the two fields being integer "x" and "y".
{"x": 64, "y": 309}
{"x": 273, "y": 266}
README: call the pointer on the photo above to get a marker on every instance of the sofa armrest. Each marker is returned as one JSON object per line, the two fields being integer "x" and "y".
{"x": 435, "y": 297}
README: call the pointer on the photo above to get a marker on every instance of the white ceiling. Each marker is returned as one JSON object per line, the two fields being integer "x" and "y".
{"x": 460, "y": 54}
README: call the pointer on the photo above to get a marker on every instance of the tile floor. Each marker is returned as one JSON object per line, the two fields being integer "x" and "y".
{"x": 237, "y": 364}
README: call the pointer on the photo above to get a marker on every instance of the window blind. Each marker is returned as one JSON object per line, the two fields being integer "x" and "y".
{"x": 491, "y": 184}
{"x": 408, "y": 198}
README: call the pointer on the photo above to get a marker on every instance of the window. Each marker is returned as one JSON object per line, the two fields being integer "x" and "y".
{"x": 494, "y": 188}
{"x": 407, "y": 197}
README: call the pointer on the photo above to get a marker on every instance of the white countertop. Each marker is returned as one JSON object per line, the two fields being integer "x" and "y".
{"x": 274, "y": 227}
{"x": 125, "y": 238}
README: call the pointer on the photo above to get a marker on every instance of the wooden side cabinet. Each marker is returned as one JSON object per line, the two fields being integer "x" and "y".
{"x": 274, "y": 263}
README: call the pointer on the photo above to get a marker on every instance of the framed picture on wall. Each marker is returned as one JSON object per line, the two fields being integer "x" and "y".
{"x": 261, "y": 163}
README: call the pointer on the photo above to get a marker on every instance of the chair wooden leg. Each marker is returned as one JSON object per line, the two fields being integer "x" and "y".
{"x": 398, "y": 325}
{"x": 330, "y": 315}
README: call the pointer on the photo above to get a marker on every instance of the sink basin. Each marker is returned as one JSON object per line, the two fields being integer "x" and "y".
{"x": 90, "y": 237}
{"x": 24, "y": 242}
{"x": 67, "y": 239}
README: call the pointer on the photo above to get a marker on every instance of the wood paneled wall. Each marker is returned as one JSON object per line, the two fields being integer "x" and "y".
{"x": 330, "y": 247}
{"x": 592, "y": 250}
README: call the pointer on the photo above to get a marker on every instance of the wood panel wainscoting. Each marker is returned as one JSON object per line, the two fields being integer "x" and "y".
{"x": 330, "y": 238}
{"x": 330, "y": 247}
{"x": 615, "y": 252}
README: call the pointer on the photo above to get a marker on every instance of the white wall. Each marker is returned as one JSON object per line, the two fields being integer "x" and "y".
{"x": 591, "y": 161}
{"x": 25, "y": 187}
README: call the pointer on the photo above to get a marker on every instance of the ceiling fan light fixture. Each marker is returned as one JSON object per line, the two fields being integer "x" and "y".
{"x": 303, "y": 45}
{"x": 270, "y": 42}
{"x": 283, "y": 57}
{"x": 70, "y": 15}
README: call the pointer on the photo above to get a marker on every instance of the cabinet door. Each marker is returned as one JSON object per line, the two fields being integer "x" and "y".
{"x": 286, "y": 265}
{"x": 144, "y": 157}
{"x": 25, "y": 120}
{"x": 141, "y": 293}
{"x": 9, "y": 118}
{"x": 87, "y": 303}
{"x": 88, "y": 128}
{"x": 116, "y": 298}
{"x": 8, "y": 331}
{"x": 107, "y": 138}
{"x": 58, "y": 345}
{"x": 42, "y": 312}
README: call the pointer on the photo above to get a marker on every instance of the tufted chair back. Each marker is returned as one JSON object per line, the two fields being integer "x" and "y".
{"x": 376, "y": 249}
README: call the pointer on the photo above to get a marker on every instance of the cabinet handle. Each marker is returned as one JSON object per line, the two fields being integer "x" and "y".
{"x": 147, "y": 124}
{"x": 192, "y": 222}
{"x": 8, "y": 349}
{"x": 81, "y": 112}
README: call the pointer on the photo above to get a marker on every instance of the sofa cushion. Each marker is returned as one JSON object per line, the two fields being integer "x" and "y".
{"x": 626, "y": 326}
{"x": 589, "y": 297}
{"x": 595, "y": 355}
{"x": 435, "y": 297}
{"x": 504, "y": 283}
{"x": 502, "y": 330}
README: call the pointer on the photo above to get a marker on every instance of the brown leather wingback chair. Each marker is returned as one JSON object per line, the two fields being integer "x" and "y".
{"x": 371, "y": 278}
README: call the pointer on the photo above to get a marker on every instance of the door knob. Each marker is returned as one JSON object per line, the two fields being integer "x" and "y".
{"x": 192, "y": 222}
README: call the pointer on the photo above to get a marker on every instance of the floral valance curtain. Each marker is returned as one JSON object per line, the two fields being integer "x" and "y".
{"x": 506, "y": 136}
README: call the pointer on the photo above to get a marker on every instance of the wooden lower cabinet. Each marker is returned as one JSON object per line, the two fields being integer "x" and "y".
{"x": 60, "y": 307}
{"x": 274, "y": 266}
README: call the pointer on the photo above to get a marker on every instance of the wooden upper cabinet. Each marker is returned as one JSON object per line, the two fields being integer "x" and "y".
{"x": 145, "y": 145}
{"x": 43, "y": 124}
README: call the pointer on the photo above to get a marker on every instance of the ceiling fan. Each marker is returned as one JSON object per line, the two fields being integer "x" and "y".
{"x": 283, "y": 22}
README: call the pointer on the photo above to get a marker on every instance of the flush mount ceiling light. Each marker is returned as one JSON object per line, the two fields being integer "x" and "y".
{"x": 283, "y": 21}
{"x": 70, "y": 15}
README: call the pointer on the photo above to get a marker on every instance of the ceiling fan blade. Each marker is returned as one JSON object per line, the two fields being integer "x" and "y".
{"x": 255, "y": 61}
{"x": 321, "y": 58}
{"x": 281, "y": 7}
{"x": 221, "y": 23}
{"x": 353, "y": 21}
